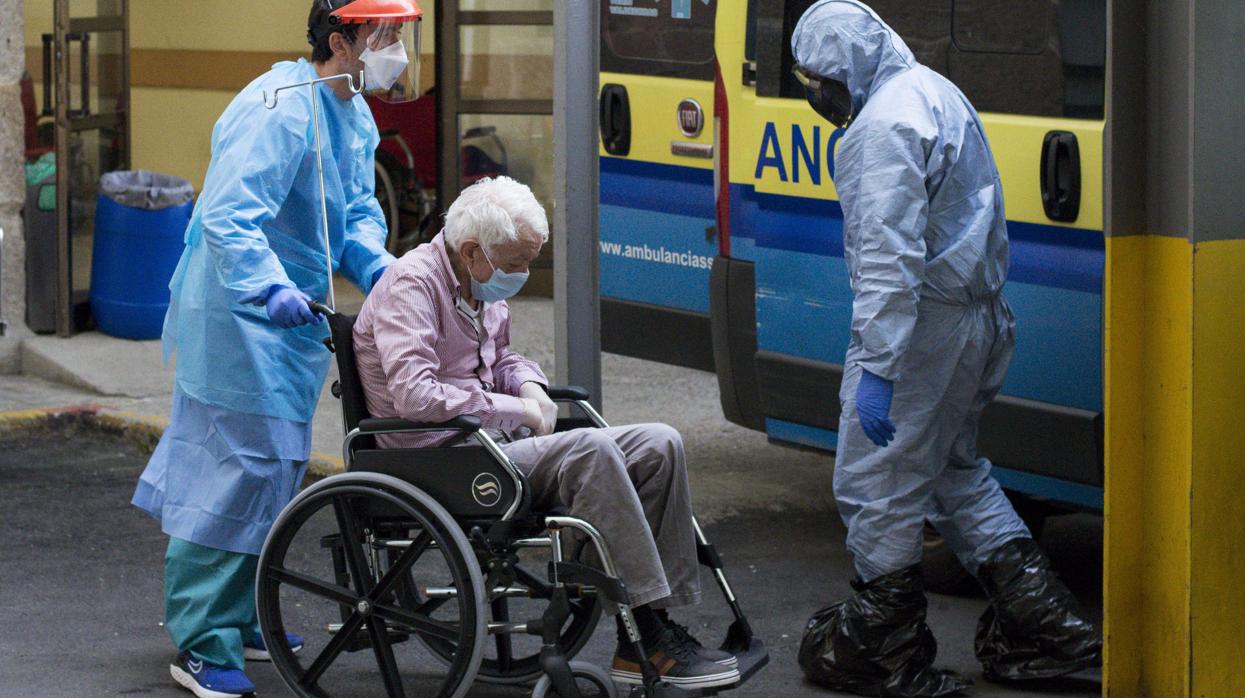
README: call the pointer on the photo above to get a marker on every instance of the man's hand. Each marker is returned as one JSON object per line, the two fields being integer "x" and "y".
{"x": 873, "y": 406}
{"x": 548, "y": 409}
{"x": 534, "y": 417}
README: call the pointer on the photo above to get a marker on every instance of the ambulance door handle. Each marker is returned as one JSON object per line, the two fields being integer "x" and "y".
{"x": 1061, "y": 176}
{"x": 615, "y": 119}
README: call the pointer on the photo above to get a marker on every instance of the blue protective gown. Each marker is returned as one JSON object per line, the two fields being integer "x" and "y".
{"x": 258, "y": 223}
{"x": 239, "y": 436}
{"x": 925, "y": 241}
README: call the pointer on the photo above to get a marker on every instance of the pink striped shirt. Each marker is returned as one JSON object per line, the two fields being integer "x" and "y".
{"x": 421, "y": 359}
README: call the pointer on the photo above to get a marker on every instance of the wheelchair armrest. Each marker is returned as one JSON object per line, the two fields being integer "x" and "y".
{"x": 566, "y": 392}
{"x": 376, "y": 425}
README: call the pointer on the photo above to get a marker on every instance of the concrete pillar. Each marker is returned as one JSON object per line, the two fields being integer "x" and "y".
{"x": 577, "y": 305}
{"x": 1174, "y": 378}
{"x": 12, "y": 182}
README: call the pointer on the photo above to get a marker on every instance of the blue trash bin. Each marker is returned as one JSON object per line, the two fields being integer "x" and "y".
{"x": 140, "y": 224}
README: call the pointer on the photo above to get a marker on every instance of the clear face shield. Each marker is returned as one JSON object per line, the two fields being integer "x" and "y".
{"x": 391, "y": 58}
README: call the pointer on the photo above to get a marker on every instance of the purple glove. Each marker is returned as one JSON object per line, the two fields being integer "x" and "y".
{"x": 873, "y": 406}
{"x": 287, "y": 307}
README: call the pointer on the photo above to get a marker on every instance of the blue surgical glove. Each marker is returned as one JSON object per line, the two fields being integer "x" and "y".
{"x": 288, "y": 308}
{"x": 379, "y": 273}
{"x": 873, "y": 406}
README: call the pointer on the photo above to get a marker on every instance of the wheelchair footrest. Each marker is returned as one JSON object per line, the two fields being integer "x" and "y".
{"x": 751, "y": 661}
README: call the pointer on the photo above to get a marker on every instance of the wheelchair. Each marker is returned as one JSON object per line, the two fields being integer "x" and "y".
{"x": 411, "y": 565}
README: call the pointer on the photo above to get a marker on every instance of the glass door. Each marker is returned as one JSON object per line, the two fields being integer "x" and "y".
{"x": 495, "y": 102}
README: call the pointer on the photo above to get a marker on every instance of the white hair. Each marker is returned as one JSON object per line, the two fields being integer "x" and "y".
{"x": 493, "y": 211}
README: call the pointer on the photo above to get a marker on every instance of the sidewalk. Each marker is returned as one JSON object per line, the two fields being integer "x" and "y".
{"x": 128, "y": 381}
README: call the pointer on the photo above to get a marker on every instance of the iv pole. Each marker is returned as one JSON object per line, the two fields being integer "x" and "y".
{"x": 356, "y": 88}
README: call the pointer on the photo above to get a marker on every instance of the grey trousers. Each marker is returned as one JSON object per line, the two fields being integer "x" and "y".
{"x": 631, "y": 484}
{"x": 954, "y": 367}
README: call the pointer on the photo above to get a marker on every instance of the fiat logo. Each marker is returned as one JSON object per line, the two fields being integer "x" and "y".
{"x": 691, "y": 117}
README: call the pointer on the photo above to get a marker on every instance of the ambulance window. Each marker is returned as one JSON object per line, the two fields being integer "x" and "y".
{"x": 924, "y": 25}
{"x": 1002, "y": 26}
{"x": 1034, "y": 57}
{"x": 663, "y": 38}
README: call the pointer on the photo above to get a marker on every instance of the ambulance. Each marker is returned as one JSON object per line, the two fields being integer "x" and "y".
{"x": 721, "y": 242}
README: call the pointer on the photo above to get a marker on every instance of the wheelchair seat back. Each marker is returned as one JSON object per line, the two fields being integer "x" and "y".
{"x": 467, "y": 480}
{"x": 349, "y": 388}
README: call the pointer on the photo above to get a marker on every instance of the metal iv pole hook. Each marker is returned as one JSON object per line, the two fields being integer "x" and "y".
{"x": 355, "y": 88}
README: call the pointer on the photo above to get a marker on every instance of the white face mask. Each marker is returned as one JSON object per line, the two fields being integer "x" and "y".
{"x": 382, "y": 68}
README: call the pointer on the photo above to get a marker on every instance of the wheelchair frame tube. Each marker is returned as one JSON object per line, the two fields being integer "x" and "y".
{"x": 717, "y": 571}
{"x": 607, "y": 562}
{"x": 593, "y": 415}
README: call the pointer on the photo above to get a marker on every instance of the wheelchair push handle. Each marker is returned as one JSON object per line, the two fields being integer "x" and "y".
{"x": 320, "y": 309}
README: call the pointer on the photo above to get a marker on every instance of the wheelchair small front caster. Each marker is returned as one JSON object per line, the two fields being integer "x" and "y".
{"x": 591, "y": 680}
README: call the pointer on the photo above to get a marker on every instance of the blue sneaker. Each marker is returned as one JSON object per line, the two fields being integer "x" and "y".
{"x": 208, "y": 680}
{"x": 256, "y": 652}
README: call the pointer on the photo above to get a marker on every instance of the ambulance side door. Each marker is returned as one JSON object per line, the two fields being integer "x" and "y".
{"x": 656, "y": 223}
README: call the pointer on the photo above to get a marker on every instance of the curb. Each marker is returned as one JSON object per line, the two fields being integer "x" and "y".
{"x": 142, "y": 431}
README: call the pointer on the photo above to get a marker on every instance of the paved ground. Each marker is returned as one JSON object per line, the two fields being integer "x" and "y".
{"x": 80, "y": 569}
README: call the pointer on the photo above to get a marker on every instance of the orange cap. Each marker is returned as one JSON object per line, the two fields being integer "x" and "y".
{"x": 363, "y": 11}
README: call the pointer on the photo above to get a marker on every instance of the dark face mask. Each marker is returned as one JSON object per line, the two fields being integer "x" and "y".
{"x": 829, "y": 98}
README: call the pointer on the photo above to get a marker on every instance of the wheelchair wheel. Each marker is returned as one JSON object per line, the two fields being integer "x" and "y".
{"x": 515, "y": 659}
{"x": 382, "y": 533}
{"x": 591, "y": 680}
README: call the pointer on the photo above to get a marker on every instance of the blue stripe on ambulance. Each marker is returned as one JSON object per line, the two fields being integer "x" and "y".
{"x": 803, "y": 300}
{"x": 653, "y": 244}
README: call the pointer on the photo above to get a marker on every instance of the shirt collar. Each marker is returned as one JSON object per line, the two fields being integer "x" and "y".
{"x": 443, "y": 264}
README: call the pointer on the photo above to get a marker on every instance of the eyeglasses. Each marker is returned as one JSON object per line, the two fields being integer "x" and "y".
{"x": 806, "y": 78}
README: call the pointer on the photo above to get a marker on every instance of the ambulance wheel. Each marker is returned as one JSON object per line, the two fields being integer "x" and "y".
{"x": 942, "y": 570}
{"x": 346, "y": 605}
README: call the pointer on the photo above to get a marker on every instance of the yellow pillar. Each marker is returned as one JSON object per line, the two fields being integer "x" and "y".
{"x": 1175, "y": 452}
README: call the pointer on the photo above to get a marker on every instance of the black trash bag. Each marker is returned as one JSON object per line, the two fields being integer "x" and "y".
{"x": 146, "y": 190}
{"x": 877, "y": 643}
{"x": 1033, "y": 627}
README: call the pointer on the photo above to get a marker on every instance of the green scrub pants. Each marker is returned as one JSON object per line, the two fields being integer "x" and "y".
{"x": 209, "y": 601}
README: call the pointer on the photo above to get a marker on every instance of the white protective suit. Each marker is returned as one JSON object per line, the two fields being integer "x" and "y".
{"x": 925, "y": 241}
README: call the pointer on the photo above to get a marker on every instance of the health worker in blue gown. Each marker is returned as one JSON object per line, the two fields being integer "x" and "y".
{"x": 249, "y": 360}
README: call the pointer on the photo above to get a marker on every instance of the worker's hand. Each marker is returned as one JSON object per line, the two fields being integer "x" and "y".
{"x": 287, "y": 307}
{"x": 873, "y": 406}
{"x": 548, "y": 408}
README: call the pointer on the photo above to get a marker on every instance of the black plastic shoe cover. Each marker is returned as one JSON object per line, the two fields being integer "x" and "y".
{"x": 877, "y": 643}
{"x": 1033, "y": 627}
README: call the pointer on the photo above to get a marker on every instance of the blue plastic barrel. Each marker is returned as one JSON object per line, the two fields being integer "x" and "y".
{"x": 136, "y": 251}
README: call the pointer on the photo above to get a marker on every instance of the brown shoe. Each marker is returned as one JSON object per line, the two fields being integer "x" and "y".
{"x": 684, "y": 635}
{"x": 677, "y": 663}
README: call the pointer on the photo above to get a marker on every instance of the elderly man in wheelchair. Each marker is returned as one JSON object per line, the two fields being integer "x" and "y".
{"x": 457, "y": 454}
